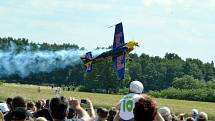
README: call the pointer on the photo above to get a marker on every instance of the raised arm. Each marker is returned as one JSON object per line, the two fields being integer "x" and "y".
{"x": 82, "y": 114}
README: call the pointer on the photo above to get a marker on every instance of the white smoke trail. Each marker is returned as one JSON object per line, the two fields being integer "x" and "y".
{"x": 27, "y": 62}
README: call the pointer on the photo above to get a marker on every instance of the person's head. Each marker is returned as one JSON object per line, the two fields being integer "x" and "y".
{"x": 30, "y": 106}
{"x": 145, "y": 109}
{"x": 41, "y": 119}
{"x": 181, "y": 116}
{"x": 58, "y": 107}
{"x": 47, "y": 103}
{"x": 194, "y": 113}
{"x": 203, "y": 116}
{"x": 38, "y": 105}
{"x": 18, "y": 101}
{"x": 103, "y": 113}
{"x": 111, "y": 114}
{"x": 174, "y": 117}
{"x": 98, "y": 110}
{"x": 190, "y": 119}
{"x": 9, "y": 102}
{"x": 43, "y": 103}
{"x": 165, "y": 113}
{"x": 71, "y": 113}
{"x": 136, "y": 87}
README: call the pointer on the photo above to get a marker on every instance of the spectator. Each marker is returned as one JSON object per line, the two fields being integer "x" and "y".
{"x": 91, "y": 109}
{"x": 102, "y": 115}
{"x": 59, "y": 109}
{"x": 111, "y": 114}
{"x": 165, "y": 113}
{"x": 52, "y": 87}
{"x": 71, "y": 114}
{"x": 190, "y": 119}
{"x": 17, "y": 102}
{"x": 43, "y": 101}
{"x": 39, "y": 90}
{"x": 41, "y": 119}
{"x": 181, "y": 117}
{"x": 20, "y": 114}
{"x": 98, "y": 111}
{"x": 174, "y": 117}
{"x": 44, "y": 112}
{"x": 144, "y": 110}
{"x": 47, "y": 104}
{"x": 194, "y": 114}
{"x": 9, "y": 102}
{"x": 30, "y": 107}
{"x": 127, "y": 103}
{"x": 38, "y": 105}
{"x": 58, "y": 91}
{"x": 203, "y": 116}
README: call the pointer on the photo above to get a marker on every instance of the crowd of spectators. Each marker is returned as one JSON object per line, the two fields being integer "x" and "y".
{"x": 132, "y": 107}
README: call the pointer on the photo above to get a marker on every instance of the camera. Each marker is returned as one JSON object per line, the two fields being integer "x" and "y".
{"x": 83, "y": 101}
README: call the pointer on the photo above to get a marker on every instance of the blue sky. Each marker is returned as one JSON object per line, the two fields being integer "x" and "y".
{"x": 185, "y": 27}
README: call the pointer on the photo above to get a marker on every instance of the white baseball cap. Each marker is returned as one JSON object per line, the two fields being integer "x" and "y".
{"x": 194, "y": 111}
{"x": 136, "y": 87}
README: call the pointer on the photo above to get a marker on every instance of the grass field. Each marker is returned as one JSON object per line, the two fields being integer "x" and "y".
{"x": 101, "y": 100}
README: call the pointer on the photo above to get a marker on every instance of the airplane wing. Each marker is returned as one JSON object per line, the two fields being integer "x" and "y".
{"x": 119, "y": 61}
{"x": 119, "y": 66}
{"x": 118, "y": 36}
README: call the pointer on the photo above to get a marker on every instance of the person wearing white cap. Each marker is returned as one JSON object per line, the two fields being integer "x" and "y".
{"x": 165, "y": 113}
{"x": 194, "y": 114}
{"x": 127, "y": 103}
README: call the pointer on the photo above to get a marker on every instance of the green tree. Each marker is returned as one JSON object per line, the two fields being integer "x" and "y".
{"x": 187, "y": 82}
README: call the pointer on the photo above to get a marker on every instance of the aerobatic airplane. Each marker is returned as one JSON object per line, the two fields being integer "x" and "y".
{"x": 117, "y": 53}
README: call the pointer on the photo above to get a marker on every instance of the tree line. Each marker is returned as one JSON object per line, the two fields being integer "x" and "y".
{"x": 156, "y": 73}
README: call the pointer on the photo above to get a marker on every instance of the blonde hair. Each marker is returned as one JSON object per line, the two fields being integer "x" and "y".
{"x": 41, "y": 119}
{"x": 203, "y": 116}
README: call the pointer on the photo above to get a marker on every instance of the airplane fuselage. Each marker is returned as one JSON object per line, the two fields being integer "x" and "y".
{"x": 112, "y": 53}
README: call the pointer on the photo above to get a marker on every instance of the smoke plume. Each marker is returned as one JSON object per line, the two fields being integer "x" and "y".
{"x": 27, "y": 62}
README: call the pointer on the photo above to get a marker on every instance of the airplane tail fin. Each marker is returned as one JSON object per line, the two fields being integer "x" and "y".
{"x": 87, "y": 60}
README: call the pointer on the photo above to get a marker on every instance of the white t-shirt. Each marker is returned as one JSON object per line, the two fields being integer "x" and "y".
{"x": 127, "y": 104}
